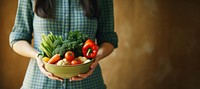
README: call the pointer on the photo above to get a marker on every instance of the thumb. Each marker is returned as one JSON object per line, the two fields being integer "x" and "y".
{"x": 94, "y": 64}
{"x": 39, "y": 61}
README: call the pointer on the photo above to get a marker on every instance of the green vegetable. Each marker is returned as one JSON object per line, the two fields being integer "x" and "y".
{"x": 77, "y": 39}
{"x": 77, "y": 36}
{"x": 56, "y": 43}
{"x": 47, "y": 45}
{"x": 52, "y": 44}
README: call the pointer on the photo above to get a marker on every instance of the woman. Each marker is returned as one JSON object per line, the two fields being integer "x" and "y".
{"x": 92, "y": 17}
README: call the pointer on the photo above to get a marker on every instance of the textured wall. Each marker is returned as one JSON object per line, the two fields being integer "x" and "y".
{"x": 13, "y": 66}
{"x": 158, "y": 46}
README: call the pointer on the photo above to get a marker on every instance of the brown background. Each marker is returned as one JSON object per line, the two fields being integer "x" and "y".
{"x": 159, "y": 46}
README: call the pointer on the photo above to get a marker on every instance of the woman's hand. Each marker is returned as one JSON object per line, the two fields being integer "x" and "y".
{"x": 45, "y": 72}
{"x": 83, "y": 76}
{"x": 104, "y": 50}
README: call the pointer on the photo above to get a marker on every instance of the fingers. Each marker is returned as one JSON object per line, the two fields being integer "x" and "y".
{"x": 49, "y": 75}
{"x": 54, "y": 77}
{"x": 87, "y": 74}
{"x": 83, "y": 76}
{"x": 76, "y": 78}
{"x": 45, "y": 72}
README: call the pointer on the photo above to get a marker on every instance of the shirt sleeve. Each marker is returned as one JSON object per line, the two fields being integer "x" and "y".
{"x": 22, "y": 29}
{"x": 105, "y": 31}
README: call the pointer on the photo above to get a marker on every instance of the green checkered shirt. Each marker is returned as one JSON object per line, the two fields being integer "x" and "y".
{"x": 68, "y": 15}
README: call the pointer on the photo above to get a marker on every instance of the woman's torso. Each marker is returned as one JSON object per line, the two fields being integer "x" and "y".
{"x": 67, "y": 16}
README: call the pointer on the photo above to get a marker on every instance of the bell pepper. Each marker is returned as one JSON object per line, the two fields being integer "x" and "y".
{"x": 90, "y": 49}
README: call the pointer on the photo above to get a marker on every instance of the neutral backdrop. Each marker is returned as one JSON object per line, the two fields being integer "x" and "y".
{"x": 159, "y": 46}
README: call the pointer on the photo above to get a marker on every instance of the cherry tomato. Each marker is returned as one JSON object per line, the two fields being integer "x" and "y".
{"x": 75, "y": 61}
{"x": 69, "y": 55}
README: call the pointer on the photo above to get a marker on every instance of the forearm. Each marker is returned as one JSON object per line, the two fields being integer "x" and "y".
{"x": 25, "y": 49}
{"x": 104, "y": 50}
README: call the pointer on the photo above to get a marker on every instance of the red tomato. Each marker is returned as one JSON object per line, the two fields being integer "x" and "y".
{"x": 75, "y": 61}
{"x": 69, "y": 55}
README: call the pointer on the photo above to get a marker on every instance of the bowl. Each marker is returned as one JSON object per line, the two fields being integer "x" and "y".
{"x": 67, "y": 71}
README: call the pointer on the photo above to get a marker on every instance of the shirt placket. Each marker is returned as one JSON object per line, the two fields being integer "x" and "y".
{"x": 66, "y": 26}
{"x": 66, "y": 17}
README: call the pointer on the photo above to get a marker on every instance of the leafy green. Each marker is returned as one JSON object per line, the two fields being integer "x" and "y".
{"x": 74, "y": 42}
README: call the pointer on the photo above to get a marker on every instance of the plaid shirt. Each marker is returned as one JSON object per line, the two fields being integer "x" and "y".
{"x": 68, "y": 15}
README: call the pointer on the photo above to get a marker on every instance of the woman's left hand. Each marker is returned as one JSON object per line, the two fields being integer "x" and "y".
{"x": 104, "y": 50}
{"x": 83, "y": 76}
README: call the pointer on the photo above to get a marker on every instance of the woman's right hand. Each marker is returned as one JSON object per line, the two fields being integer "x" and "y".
{"x": 45, "y": 72}
{"x": 29, "y": 51}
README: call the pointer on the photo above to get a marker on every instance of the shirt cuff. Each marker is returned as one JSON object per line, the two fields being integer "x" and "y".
{"x": 108, "y": 37}
{"x": 16, "y": 36}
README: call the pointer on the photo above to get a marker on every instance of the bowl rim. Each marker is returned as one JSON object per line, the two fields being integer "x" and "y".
{"x": 68, "y": 65}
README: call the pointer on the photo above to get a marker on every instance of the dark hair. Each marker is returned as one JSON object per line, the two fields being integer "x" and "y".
{"x": 43, "y": 8}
